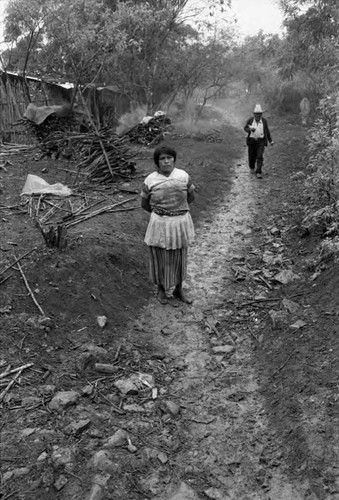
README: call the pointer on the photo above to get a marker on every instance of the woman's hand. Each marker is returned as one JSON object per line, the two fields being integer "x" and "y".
{"x": 190, "y": 197}
{"x": 145, "y": 205}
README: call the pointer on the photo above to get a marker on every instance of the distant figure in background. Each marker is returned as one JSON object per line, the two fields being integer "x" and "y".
{"x": 167, "y": 194}
{"x": 258, "y": 136}
{"x": 305, "y": 108}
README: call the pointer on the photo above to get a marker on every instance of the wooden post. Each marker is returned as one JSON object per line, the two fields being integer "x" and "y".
{"x": 55, "y": 237}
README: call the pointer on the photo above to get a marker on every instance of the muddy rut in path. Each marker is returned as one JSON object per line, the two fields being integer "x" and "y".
{"x": 227, "y": 450}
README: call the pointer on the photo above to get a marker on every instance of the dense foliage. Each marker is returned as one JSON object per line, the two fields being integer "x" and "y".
{"x": 312, "y": 50}
{"x": 141, "y": 47}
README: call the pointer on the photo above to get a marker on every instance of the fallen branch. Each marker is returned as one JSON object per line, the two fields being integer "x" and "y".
{"x": 123, "y": 209}
{"x": 282, "y": 366}
{"x": 10, "y": 494}
{"x": 261, "y": 278}
{"x": 20, "y": 368}
{"x": 102, "y": 210}
{"x": 29, "y": 290}
{"x": 212, "y": 327}
{"x": 7, "y": 388}
{"x": 256, "y": 302}
{"x": 70, "y": 171}
{"x": 52, "y": 210}
{"x": 5, "y": 279}
{"x": 11, "y": 207}
{"x": 16, "y": 261}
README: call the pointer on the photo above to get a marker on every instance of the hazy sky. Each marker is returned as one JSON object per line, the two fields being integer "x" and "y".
{"x": 252, "y": 15}
{"x": 256, "y": 15}
{"x": 2, "y": 7}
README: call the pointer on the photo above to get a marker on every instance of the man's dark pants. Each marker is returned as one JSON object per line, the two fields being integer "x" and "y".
{"x": 256, "y": 154}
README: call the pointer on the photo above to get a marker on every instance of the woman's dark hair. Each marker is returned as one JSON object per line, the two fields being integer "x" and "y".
{"x": 163, "y": 150}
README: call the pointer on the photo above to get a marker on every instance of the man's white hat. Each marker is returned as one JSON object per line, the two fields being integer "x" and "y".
{"x": 258, "y": 109}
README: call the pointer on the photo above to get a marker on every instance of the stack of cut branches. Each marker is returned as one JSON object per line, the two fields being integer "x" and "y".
{"x": 53, "y": 128}
{"x": 105, "y": 156}
{"x": 8, "y": 149}
{"x": 151, "y": 133}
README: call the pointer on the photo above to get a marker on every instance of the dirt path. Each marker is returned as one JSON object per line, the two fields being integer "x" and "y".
{"x": 225, "y": 432}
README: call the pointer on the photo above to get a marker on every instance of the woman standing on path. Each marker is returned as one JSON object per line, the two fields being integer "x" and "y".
{"x": 166, "y": 194}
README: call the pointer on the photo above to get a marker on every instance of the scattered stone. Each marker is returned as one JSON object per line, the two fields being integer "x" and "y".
{"x": 114, "y": 399}
{"x": 167, "y": 331}
{"x": 163, "y": 458}
{"x": 101, "y": 461}
{"x": 95, "y": 434}
{"x": 126, "y": 386}
{"x": 169, "y": 407}
{"x": 47, "y": 390}
{"x": 236, "y": 396}
{"x": 105, "y": 368}
{"x": 96, "y": 492}
{"x": 5, "y": 310}
{"x": 119, "y": 438}
{"x": 134, "y": 383}
{"x": 278, "y": 318}
{"x": 272, "y": 258}
{"x": 286, "y": 276}
{"x": 181, "y": 492}
{"x": 77, "y": 427}
{"x": 224, "y": 349}
{"x": 42, "y": 457}
{"x": 158, "y": 355}
{"x": 102, "y": 321}
{"x": 30, "y": 401}
{"x": 150, "y": 453}
{"x": 88, "y": 390}
{"x": 94, "y": 349}
{"x": 13, "y": 474}
{"x": 63, "y": 457}
{"x": 131, "y": 448}
{"x": 28, "y": 432}
{"x": 45, "y": 321}
{"x": 60, "y": 482}
{"x": 38, "y": 322}
{"x": 290, "y": 306}
{"x": 134, "y": 408}
{"x": 101, "y": 479}
{"x": 275, "y": 231}
{"x": 48, "y": 434}
{"x": 62, "y": 400}
{"x": 215, "y": 494}
{"x": 298, "y": 324}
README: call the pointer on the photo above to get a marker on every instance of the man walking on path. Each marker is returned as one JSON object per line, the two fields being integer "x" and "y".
{"x": 258, "y": 136}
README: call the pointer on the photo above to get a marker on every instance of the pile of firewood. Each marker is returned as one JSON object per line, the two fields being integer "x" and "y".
{"x": 150, "y": 133}
{"x": 102, "y": 155}
{"x": 51, "y": 131}
{"x": 105, "y": 156}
